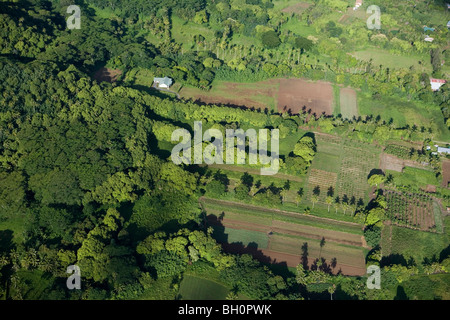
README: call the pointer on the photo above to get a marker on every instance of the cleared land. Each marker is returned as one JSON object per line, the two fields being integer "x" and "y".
{"x": 107, "y": 74}
{"x": 297, "y": 8}
{"x": 342, "y": 164}
{"x": 258, "y": 95}
{"x": 275, "y": 94}
{"x": 296, "y": 94}
{"x": 348, "y": 103}
{"x": 412, "y": 210}
{"x": 276, "y": 236}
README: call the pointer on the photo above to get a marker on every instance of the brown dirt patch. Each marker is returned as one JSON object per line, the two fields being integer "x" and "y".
{"x": 296, "y": 94}
{"x": 445, "y": 173}
{"x": 108, "y": 75}
{"x": 390, "y": 162}
{"x": 297, "y": 8}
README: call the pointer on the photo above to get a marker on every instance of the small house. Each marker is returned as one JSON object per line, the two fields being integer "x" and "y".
{"x": 448, "y": 24}
{"x": 358, "y": 4}
{"x": 425, "y": 29}
{"x": 436, "y": 83}
{"x": 164, "y": 83}
{"x": 428, "y": 39}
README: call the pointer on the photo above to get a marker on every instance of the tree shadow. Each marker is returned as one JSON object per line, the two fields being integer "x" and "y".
{"x": 401, "y": 294}
{"x": 393, "y": 259}
{"x": 252, "y": 248}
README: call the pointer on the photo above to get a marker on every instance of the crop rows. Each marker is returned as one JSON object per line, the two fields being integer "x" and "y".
{"x": 411, "y": 210}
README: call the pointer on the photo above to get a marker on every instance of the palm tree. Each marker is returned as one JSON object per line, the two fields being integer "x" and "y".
{"x": 329, "y": 202}
{"x": 314, "y": 199}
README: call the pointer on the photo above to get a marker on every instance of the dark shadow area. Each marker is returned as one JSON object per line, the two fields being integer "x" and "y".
{"x": 374, "y": 172}
{"x": 444, "y": 254}
{"x": 401, "y": 294}
{"x": 6, "y": 240}
{"x": 221, "y": 236}
{"x": 393, "y": 259}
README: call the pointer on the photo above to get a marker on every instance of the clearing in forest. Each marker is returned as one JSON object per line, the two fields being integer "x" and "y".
{"x": 294, "y": 95}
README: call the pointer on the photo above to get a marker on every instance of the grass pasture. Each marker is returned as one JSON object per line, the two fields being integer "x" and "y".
{"x": 387, "y": 59}
{"x": 404, "y": 112}
{"x": 348, "y": 103}
{"x": 403, "y": 244}
{"x": 195, "y": 288}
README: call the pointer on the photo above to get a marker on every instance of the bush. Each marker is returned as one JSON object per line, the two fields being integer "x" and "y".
{"x": 270, "y": 39}
{"x": 372, "y": 235}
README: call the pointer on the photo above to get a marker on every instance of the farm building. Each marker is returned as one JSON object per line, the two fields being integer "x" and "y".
{"x": 428, "y": 39}
{"x": 165, "y": 82}
{"x": 425, "y": 29}
{"x": 443, "y": 150}
{"x": 448, "y": 24}
{"x": 436, "y": 83}
{"x": 358, "y": 4}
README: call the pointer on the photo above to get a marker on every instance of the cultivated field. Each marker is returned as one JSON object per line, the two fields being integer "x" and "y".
{"x": 296, "y": 94}
{"x": 342, "y": 164}
{"x": 275, "y": 236}
{"x": 259, "y": 95}
{"x": 413, "y": 210}
{"x": 275, "y": 94}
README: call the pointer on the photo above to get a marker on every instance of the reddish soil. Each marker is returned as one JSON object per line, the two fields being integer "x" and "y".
{"x": 295, "y": 94}
{"x": 446, "y": 173}
{"x": 108, "y": 75}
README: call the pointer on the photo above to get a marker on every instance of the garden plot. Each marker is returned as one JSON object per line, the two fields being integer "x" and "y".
{"x": 415, "y": 211}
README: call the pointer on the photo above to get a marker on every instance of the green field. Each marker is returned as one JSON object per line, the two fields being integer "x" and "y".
{"x": 390, "y": 60}
{"x": 215, "y": 207}
{"x": 412, "y": 244}
{"x": 195, "y": 288}
{"x": 348, "y": 103}
{"x": 343, "y": 164}
{"x": 414, "y": 177}
{"x": 250, "y": 238}
{"x": 404, "y": 112}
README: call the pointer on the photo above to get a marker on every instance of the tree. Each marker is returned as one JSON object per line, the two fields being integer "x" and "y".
{"x": 270, "y": 39}
{"x": 305, "y": 148}
{"x": 314, "y": 199}
{"x": 329, "y": 202}
{"x": 376, "y": 179}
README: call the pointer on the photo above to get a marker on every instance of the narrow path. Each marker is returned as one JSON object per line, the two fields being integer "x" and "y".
{"x": 167, "y": 90}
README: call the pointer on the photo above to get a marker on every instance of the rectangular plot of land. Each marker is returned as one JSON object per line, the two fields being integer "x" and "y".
{"x": 296, "y": 94}
{"x": 348, "y": 103}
